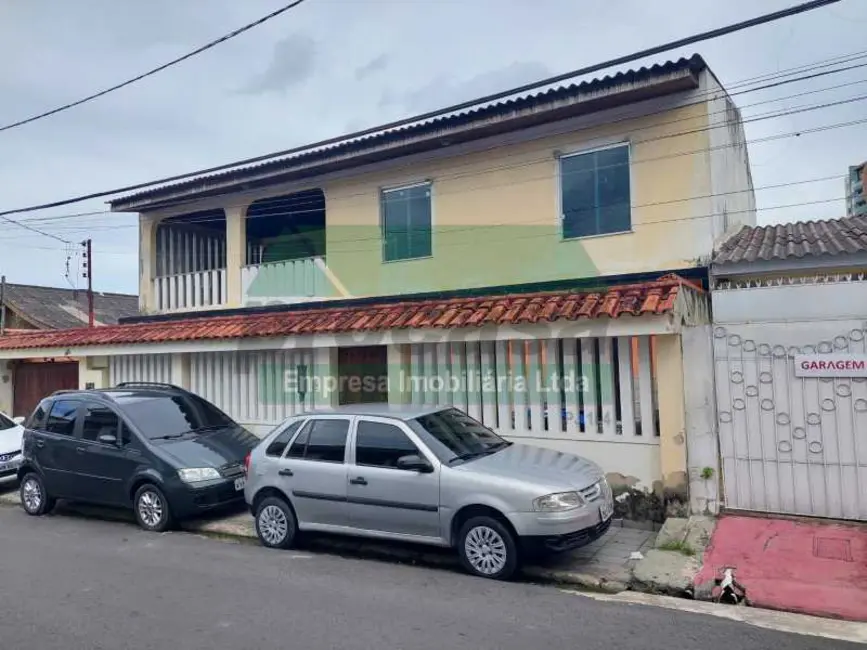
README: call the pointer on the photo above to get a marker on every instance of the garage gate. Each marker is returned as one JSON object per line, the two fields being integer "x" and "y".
{"x": 791, "y": 445}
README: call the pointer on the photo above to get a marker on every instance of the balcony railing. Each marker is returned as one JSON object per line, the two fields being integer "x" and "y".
{"x": 285, "y": 282}
{"x": 185, "y": 291}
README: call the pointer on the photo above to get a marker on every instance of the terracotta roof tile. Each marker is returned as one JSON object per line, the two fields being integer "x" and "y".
{"x": 658, "y": 297}
{"x": 798, "y": 240}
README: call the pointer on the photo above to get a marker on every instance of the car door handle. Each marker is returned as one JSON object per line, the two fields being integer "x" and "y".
{"x": 358, "y": 480}
{"x": 81, "y": 450}
{"x": 40, "y": 443}
{"x": 286, "y": 472}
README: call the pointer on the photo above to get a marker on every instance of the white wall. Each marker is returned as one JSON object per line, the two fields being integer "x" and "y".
{"x": 700, "y": 414}
{"x": 815, "y": 303}
{"x": 733, "y": 202}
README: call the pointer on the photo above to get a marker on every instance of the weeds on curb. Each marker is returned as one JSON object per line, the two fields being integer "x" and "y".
{"x": 678, "y": 547}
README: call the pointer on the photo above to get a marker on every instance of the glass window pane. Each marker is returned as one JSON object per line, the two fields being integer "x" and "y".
{"x": 278, "y": 445}
{"x": 327, "y": 441}
{"x": 380, "y": 445}
{"x": 406, "y": 223}
{"x": 61, "y": 420}
{"x": 614, "y": 156}
{"x": 99, "y": 420}
{"x": 595, "y": 192}
{"x": 299, "y": 445}
{"x": 5, "y": 423}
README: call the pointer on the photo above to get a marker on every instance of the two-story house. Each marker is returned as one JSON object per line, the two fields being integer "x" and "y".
{"x": 532, "y": 261}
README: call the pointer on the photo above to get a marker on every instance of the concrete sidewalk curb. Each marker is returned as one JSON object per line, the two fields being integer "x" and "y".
{"x": 240, "y": 528}
{"x": 671, "y": 567}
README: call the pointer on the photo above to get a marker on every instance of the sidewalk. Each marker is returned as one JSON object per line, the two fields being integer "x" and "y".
{"x": 797, "y": 566}
{"x": 604, "y": 565}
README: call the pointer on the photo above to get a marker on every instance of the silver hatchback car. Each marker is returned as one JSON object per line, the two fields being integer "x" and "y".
{"x": 429, "y": 475}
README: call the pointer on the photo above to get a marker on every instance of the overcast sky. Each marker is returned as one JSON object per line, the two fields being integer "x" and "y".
{"x": 332, "y": 66}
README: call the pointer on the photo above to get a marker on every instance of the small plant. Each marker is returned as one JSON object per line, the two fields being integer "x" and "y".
{"x": 707, "y": 473}
{"x": 678, "y": 547}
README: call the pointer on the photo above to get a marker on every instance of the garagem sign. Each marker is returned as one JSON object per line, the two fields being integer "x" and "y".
{"x": 831, "y": 365}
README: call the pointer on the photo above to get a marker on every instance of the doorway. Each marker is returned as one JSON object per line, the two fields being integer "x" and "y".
{"x": 35, "y": 380}
{"x": 363, "y": 374}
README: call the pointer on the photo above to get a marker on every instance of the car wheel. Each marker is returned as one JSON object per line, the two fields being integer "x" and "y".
{"x": 488, "y": 549}
{"x": 34, "y": 499}
{"x": 152, "y": 509}
{"x": 276, "y": 525}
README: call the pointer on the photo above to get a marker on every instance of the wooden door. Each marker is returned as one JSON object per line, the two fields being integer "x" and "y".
{"x": 33, "y": 381}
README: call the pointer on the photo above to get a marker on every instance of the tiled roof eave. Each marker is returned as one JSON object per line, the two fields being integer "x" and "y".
{"x": 655, "y": 298}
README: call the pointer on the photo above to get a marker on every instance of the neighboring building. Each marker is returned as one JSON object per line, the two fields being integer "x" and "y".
{"x": 496, "y": 256}
{"x": 28, "y": 306}
{"x": 856, "y": 200}
{"x": 25, "y": 308}
{"x": 787, "y": 301}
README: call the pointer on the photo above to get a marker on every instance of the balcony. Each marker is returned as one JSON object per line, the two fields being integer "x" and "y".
{"x": 284, "y": 282}
{"x": 190, "y": 263}
{"x": 191, "y": 291}
{"x": 278, "y": 257}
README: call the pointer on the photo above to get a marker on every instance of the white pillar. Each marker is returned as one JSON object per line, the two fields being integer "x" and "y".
{"x": 236, "y": 252}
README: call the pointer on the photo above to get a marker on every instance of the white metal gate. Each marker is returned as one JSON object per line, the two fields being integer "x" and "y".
{"x": 790, "y": 445}
{"x": 593, "y": 396}
{"x": 255, "y": 388}
{"x": 140, "y": 367}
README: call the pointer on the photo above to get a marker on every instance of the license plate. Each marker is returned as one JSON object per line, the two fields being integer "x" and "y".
{"x": 239, "y": 483}
{"x": 605, "y": 511}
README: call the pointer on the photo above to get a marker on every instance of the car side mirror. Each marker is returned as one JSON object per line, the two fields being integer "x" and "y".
{"x": 414, "y": 463}
{"x": 107, "y": 439}
{"x": 18, "y": 420}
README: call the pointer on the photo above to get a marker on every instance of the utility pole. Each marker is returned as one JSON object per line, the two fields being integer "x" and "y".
{"x": 88, "y": 273}
{"x": 2, "y": 305}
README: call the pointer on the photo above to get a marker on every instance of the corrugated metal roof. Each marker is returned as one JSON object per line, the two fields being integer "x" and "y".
{"x": 648, "y": 298}
{"x": 481, "y": 115}
{"x": 795, "y": 240}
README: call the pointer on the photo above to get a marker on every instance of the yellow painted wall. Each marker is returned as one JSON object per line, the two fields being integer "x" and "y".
{"x": 496, "y": 213}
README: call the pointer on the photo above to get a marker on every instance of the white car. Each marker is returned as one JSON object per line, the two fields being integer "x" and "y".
{"x": 11, "y": 433}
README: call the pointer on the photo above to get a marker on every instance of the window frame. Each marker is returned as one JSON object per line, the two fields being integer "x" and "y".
{"x": 76, "y": 427}
{"x": 414, "y": 438}
{"x": 309, "y": 423}
{"x": 83, "y": 407}
{"x": 397, "y": 425}
{"x": 581, "y": 151}
{"x": 385, "y": 189}
{"x": 301, "y": 422}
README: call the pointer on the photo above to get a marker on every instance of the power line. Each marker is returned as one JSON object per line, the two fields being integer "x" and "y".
{"x": 152, "y": 72}
{"x": 551, "y": 224}
{"x": 666, "y": 47}
{"x": 294, "y": 205}
{"x": 526, "y": 163}
{"x": 821, "y": 64}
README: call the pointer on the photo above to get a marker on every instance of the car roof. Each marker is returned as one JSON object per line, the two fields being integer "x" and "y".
{"x": 394, "y": 411}
{"x": 143, "y": 389}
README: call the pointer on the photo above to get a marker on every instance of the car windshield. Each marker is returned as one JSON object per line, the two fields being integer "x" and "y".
{"x": 463, "y": 437}
{"x": 6, "y": 423}
{"x": 171, "y": 416}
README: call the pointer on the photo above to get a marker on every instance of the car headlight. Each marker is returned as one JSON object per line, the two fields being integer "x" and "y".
{"x": 558, "y": 502}
{"x": 198, "y": 474}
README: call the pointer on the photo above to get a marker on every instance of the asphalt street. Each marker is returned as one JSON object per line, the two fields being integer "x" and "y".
{"x": 72, "y": 583}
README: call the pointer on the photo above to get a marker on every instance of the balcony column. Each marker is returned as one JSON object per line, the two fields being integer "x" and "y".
{"x": 236, "y": 253}
{"x": 147, "y": 262}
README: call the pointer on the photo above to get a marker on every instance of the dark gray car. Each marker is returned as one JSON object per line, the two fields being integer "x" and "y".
{"x": 430, "y": 475}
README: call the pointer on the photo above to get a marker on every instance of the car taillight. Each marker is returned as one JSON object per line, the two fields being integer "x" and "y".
{"x": 247, "y": 463}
